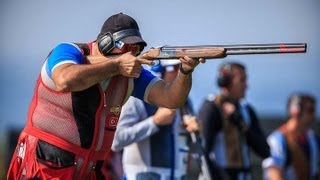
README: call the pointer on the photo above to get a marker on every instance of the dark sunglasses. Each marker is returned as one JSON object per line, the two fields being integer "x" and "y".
{"x": 135, "y": 49}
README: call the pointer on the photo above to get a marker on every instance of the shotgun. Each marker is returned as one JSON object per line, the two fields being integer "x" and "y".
{"x": 203, "y": 159}
{"x": 221, "y": 51}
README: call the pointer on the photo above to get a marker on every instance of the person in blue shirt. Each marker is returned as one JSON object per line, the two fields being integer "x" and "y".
{"x": 78, "y": 100}
{"x": 154, "y": 139}
{"x": 294, "y": 146}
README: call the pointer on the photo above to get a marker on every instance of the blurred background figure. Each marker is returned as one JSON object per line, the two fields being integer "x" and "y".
{"x": 230, "y": 125}
{"x": 294, "y": 147}
{"x": 154, "y": 140}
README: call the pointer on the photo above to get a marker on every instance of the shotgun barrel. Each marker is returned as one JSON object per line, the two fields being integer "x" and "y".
{"x": 266, "y": 48}
{"x": 221, "y": 51}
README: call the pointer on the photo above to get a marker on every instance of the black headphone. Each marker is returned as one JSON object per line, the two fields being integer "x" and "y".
{"x": 106, "y": 41}
{"x": 225, "y": 75}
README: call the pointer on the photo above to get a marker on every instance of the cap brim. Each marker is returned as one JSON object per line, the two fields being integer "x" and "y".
{"x": 134, "y": 40}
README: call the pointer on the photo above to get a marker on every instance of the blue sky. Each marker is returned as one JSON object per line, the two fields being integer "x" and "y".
{"x": 29, "y": 29}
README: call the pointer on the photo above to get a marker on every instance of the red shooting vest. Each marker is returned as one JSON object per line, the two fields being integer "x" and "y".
{"x": 51, "y": 119}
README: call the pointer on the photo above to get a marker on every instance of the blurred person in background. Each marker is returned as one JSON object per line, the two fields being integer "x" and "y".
{"x": 294, "y": 146}
{"x": 230, "y": 125}
{"x": 154, "y": 139}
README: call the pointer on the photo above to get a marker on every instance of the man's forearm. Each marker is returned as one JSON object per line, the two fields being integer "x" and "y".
{"x": 74, "y": 77}
{"x": 130, "y": 133}
{"x": 173, "y": 94}
{"x": 274, "y": 173}
{"x": 182, "y": 87}
{"x": 178, "y": 90}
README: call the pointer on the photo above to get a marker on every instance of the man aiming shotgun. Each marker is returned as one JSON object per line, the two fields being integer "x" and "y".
{"x": 78, "y": 99}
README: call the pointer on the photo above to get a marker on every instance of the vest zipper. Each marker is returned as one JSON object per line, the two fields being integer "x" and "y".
{"x": 104, "y": 100}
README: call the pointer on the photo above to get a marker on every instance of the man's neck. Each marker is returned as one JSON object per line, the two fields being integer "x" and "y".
{"x": 293, "y": 125}
{"x": 95, "y": 49}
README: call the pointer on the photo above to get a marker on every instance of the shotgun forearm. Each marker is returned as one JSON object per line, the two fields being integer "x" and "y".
{"x": 221, "y": 51}
{"x": 167, "y": 52}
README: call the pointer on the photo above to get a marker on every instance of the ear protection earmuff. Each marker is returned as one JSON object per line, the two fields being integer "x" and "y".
{"x": 106, "y": 41}
{"x": 225, "y": 75}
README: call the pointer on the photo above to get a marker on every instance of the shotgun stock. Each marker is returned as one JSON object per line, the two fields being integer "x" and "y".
{"x": 221, "y": 51}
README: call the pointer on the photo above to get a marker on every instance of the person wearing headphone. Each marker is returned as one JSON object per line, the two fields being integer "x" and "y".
{"x": 154, "y": 139}
{"x": 230, "y": 125}
{"x": 294, "y": 146}
{"x": 78, "y": 100}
